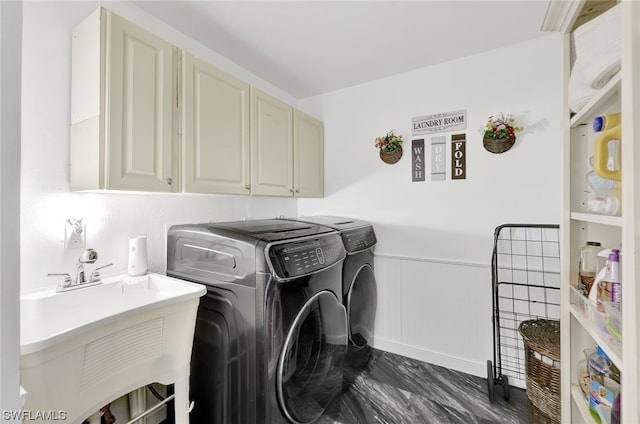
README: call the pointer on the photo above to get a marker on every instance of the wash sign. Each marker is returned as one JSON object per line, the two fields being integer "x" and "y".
{"x": 417, "y": 159}
{"x": 440, "y": 122}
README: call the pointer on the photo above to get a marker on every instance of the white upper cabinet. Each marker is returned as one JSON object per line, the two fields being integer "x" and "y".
{"x": 147, "y": 116}
{"x": 124, "y": 103}
{"x": 308, "y": 154}
{"x": 287, "y": 149}
{"x": 216, "y": 130}
{"x": 271, "y": 146}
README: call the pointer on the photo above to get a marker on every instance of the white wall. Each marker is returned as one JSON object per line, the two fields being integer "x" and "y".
{"x": 435, "y": 238}
{"x": 110, "y": 218}
{"x": 10, "y": 67}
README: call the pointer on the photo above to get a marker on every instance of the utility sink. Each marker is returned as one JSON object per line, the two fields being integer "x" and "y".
{"x": 84, "y": 348}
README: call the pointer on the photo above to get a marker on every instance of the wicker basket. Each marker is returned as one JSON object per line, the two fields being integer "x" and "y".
{"x": 391, "y": 157}
{"x": 542, "y": 351}
{"x": 498, "y": 145}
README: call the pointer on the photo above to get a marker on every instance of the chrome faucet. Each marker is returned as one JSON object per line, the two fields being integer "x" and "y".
{"x": 89, "y": 256}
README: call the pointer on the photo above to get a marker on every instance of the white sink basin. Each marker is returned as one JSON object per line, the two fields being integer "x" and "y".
{"x": 48, "y": 318}
{"x": 84, "y": 348}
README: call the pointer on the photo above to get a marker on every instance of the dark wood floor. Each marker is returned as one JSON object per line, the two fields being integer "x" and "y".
{"x": 384, "y": 388}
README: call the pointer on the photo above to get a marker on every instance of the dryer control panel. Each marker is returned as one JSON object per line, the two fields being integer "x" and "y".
{"x": 299, "y": 258}
{"x": 359, "y": 239}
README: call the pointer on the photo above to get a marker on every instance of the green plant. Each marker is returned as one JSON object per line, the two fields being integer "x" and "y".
{"x": 500, "y": 127}
{"x": 389, "y": 142}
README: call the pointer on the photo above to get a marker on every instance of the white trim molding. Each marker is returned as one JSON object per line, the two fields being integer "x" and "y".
{"x": 456, "y": 262}
{"x": 561, "y": 15}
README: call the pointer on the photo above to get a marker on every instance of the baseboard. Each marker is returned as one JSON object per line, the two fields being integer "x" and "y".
{"x": 459, "y": 364}
{"x": 478, "y": 369}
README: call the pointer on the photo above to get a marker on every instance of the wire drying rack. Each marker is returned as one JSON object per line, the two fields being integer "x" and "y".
{"x": 525, "y": 274}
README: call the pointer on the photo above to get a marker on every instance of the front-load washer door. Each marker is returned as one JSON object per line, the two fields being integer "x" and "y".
{"x": 310, "y": 366}
{"x": 361, "y": 306}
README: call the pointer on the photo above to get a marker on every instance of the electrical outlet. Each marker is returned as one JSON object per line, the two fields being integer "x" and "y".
{"x": 74, "y": 234}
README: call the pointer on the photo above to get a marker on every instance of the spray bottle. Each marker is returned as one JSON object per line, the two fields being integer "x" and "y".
{"x": 606, "y": 287}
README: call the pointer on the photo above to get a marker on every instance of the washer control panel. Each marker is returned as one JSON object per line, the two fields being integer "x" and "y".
{"x": 295, "y": 259}
{"x": 359, "y": 239}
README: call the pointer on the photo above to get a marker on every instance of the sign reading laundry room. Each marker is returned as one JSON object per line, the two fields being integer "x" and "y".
{"x": 417, "y": 156}
{"x": 458, "y": 157}
{"x": 440, "y": 122}
{"x": 438, "y": 172}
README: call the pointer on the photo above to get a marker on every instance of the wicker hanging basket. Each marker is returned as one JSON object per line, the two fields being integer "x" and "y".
{"x": 391, "y": 157}
{"x": 500, "y": 145}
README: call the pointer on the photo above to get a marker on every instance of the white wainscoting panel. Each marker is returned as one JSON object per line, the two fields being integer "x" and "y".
{"x": 435, "y": 310}
{"x": 388, "y": 317}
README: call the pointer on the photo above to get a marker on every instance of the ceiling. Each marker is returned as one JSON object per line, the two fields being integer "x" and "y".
{"x": 307, "y": 48}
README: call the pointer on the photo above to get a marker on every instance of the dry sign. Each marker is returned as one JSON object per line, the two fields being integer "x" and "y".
{"x": 438, "y": 158}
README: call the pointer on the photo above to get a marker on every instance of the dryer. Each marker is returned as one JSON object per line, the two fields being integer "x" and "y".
{"x": 271, "y": 332}
{"x": 359, "y": 289}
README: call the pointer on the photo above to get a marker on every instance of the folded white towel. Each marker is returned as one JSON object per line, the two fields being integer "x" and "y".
{"x": 600, "y": 74}
{"x": 579, "y": 91}
{"x": 598, "y": 47}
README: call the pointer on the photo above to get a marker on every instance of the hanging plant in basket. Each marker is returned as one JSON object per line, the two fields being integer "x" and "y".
{"x": 390, "y": 147}
{"x": 500, "y": 133}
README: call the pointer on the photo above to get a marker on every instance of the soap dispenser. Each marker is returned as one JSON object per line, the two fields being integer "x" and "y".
{"x": 138, "y": 263}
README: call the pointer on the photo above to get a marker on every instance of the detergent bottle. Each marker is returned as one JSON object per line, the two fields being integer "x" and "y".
{"x": 604, "y": 179}
{"x": 603, "y": 389}
{"x": 615, "y": 410}
{"x": 606, "y": 122}
{"x": 606, "y": 151}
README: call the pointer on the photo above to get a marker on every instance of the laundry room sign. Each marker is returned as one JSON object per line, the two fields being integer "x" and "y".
{"x": 439, "y": 122}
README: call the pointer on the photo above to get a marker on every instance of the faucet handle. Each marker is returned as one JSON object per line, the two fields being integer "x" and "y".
{"x": 95, "y": 275}
{"x": 66, "y": 281}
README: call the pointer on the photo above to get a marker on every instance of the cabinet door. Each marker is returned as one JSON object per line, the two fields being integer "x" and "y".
{"x": 308, "y": 153}
{"x": 271, "y": 146}
{"x": 141, "y": 99}
{"x": 216, "y": 130}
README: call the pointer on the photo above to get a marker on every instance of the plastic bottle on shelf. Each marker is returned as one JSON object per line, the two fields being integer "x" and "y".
{"x": 589, "y": 266}
{"x": 606, "y": 122}
{"x": 602, "y": 387}
{"x": 593, "y": 293}
{"x": 582, "y": 370}
{"x": 615, "y": 410}
{"x": 609, "y": 286}
{"x": 606, "y": 154}
{"x": 606, "y": 196}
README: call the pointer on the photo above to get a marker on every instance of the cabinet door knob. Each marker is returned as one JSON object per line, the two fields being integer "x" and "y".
{"x": 248, "y": 186}
{"x": 169, "y": 181}
{"x": 291, "y": 190}
{"x": 297, "y": 190}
